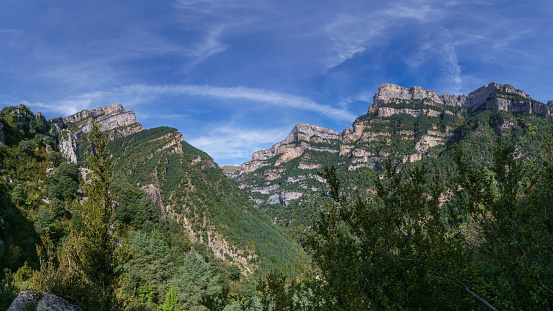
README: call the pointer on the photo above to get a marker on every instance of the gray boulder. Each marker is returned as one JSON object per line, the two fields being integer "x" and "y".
{"x": 31, "y": 301}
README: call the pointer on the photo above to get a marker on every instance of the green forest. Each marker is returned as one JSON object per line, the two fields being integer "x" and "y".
{"x": 468, "y": 229}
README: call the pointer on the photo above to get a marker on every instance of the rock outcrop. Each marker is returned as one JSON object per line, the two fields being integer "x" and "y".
{"x": 68, "y": 145}
{"x": 387, "y": 92}
{"x": 480, "y": 99}
{"x": 113, "y": 119}
{"x": 154, "y": 194}
{"x": 28, "y": 300}
{"x": 374, "y": 137}
{"x": 288, "y": 149}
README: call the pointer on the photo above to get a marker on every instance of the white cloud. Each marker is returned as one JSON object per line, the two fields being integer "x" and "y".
{"x": 211, "y": 44}
{"x": 228, "y": 143}
{"x": 451, "y": 68}
{"x": 141, "y": 94}
{"x": 354, "y": 33}
{"x": 241, "y": 93}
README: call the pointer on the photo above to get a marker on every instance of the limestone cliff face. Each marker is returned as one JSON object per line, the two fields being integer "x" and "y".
{"x": 387, "y": 92}
{"x": 113, "y": 119}
{"x": 300, "y": 139}
{"x": 68, "y": 145}
{"x": 373, "y": 137}
{"x": 94, "y": 113}
{"x": 517, "y": 106}
{"x": 474, "y": 101}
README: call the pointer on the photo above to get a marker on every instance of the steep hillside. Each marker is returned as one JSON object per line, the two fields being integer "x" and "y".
{"x": 196, "y": 192}
{"x": 186, "y": 185}
{"x": 404, "y": 125}
{"x": 27, "y": 164}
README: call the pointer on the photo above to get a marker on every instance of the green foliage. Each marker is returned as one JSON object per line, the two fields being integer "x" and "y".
{"x": 19, "y": 195}
{"x": 27, "y": 147}
{"x": 193, "y": 279}
{"x": 200, "y": 190}
{"x": 133, "y": 207}
{"x": 63, "y": 185}
{"x": 8, "y": 290}
{"x": 152, "y": 265}
{"x": 90, "y": 257}
{"x": 45, "y": 221}
{"x": 487, "y": 245}
{"x": 170, "y": 302}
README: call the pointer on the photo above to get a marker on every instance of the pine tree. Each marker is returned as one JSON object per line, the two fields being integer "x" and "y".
{"x": 91, "y": 258}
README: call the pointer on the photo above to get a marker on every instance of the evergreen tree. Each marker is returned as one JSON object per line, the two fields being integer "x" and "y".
{"x": 99, "y": 250}
{"x": 91, "y": 257}
{"x": 195, "y": 279}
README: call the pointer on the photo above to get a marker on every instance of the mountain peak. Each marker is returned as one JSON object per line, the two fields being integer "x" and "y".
{"x": 493, "y": 96}
{"x": 305, "y": 131}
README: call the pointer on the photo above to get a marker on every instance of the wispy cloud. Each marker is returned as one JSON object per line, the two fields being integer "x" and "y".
{"x": 210, "y": 44}
{"x": 354, "y": 33}
{"x": 232, "y": 144}
{"x": 141, "y": 94}
{"x": 8, "y": 31}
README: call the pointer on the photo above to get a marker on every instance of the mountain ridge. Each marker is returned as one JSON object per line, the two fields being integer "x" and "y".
{"x": 403, "y": 124}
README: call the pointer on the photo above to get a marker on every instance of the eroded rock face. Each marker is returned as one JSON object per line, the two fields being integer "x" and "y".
{"x": 40, "y": 302}
{"x": 153, "y": 193}
{"x": 518, "y": 106}
{"x": 389, "y": 92}
{"x": 113, "y": 119}
{"x": 94, "y": 113}
{"x": 68, "y": 146}
{"x": 288, "y": 149}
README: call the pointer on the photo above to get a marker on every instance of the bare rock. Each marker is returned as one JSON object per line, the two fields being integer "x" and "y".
{"x": 68, "y": 146}
{"x": 41, "y": 302}
{"x": 288, "y": 149}
{"x": 51, "y": 302}
{"x": 154, "y": 194}
{"x": 25, "y": 299}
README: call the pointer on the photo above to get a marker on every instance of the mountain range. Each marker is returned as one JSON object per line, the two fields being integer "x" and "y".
{"x": 404, "y": 125}
{"x": 254, "y": 217}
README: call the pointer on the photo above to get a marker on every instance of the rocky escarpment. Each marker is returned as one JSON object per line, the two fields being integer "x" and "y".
{"x": 494, "y": 96}
{"x": 404, "y": 124}
{"x": 153, "y": 193}
{"x": 303, "y": 137}
{"x": 113, "y": 119}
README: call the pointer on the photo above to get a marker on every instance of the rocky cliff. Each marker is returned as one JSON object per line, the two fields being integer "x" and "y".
{"x": 404, "y": 124}
{"x": 303, "y": 137}
{"x": 113, "y": 119}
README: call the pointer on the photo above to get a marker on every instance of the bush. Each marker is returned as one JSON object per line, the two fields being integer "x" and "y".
{"x": 56, "y": 158}
{"x": 27, "y": 147}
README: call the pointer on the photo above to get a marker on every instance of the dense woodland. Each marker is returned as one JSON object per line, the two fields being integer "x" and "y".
{"x": 470, "y": 229}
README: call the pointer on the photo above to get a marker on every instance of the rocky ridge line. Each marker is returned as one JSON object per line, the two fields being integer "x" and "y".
{"x": 113, "y": 119}
{"x": 357, "y": 142}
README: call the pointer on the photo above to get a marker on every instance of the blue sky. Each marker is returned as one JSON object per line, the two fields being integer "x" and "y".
{"x": 235, "y": 76}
